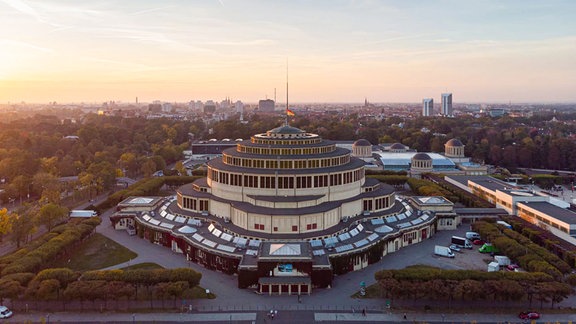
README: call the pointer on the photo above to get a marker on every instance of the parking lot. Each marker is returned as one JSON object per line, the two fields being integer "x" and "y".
{"x": 423, "y": 253}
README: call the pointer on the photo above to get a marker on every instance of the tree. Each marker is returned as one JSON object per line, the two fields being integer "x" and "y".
{"x": 51, "y": 214}
{"x": 5, "y": 222}
{"x": 129, "y": 163}
{"x": 22, "y": 227}
{"x": 48, "y": 290}
{"x": 10, "y": 289}
{"x": 148, "y": 168}
{"x": 48, "y": 185}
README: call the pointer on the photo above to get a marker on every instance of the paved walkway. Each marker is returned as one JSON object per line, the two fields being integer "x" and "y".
{"x": 291, "y": 317}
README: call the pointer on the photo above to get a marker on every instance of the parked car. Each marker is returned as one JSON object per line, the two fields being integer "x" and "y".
{"x": 529, "y": 315}
{"x": 512, "y": 267}
{"x": 5, "y": 312}
{"x": 455, "y": 248}
{"x": 478, "y": 242}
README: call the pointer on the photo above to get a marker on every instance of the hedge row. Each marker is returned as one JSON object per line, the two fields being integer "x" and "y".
{"x": 520, "y": 249}
{"x": 58, "y": 241}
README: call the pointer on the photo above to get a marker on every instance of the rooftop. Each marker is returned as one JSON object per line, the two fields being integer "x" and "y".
{"x": 565, "y": 215}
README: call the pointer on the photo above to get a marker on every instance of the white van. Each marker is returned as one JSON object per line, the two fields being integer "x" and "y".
{"x": 472, "y": 236}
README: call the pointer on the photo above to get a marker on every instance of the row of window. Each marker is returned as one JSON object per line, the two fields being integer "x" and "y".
{"x": 309, "y": 227}
{"x": 422, "y": 164}
{"x": 267, "y": 141}
{"x": 286, "y": 151}
{"x": 286, "y": 164}
{"x": 195, "y": 204}
{"x": 377, "y": 203}
{"x": 529, "y": 214}
{"x": 409, "y": 237}
{"x": 285, "y": 181}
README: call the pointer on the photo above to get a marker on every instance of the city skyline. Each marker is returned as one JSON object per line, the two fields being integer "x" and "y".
{"x": 338, "y": 51}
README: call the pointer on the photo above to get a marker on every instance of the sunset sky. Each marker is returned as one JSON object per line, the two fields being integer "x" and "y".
{"x": 337, "y": 51}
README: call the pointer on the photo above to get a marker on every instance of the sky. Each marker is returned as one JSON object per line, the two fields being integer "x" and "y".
{"x": 332, "y": 51}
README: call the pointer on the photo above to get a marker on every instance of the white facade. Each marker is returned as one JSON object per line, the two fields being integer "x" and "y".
{"x": 428, "y": 107}
{"x": 447, "y": 104}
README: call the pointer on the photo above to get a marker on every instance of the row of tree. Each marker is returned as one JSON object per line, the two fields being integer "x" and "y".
{"x": 545, "y": 239}
{"x": 61, "y": 240}
{"x": 428, "y": 283}
{"x": 65, "y": 284}
{"x": 522, "y": 250}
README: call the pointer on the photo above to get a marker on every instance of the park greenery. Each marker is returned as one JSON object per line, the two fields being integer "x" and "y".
{"x": 93, "y": 253}
{"x": 433, "y": 284}
{"x": 26, "y": 275}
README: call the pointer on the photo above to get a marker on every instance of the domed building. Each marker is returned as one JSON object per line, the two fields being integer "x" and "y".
{"x": 398, "y": 148}
{"x": 454, "y": 149}
{"x": 420, "y": 163}
{"x": 397, "y": 158}
{"x": 362, "y": 149}
{"x": 286, "y": 211}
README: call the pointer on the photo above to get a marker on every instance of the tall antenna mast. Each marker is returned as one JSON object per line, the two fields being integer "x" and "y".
{"x": 287, "y": 107}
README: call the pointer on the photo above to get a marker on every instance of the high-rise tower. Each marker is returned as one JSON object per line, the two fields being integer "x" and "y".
{"x": 447, "y": 104}
{"x": 427, "y": 107}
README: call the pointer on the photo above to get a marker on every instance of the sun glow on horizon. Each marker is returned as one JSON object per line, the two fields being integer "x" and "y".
{"x": 339, "y": 51}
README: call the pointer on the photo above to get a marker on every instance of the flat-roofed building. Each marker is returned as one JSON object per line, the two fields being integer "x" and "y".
{"x": 547, "y": 212}
{"x": 560, "y": 221}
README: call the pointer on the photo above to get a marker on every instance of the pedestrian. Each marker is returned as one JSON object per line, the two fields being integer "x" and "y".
{"x": 404, "y": 315}
{"x": 364, "y": 311}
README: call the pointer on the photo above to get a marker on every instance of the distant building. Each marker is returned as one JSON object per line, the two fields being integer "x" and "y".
{"x": 428, "y": 107}
{"x": 266, "y": 105}
{"x": 166, "y": 107}
{"x": 225, "y": 104}
{"x": 362, "y": 149}
{"x": 496, "y": 112}
{"x": 397, "y": 157}
{"x": 209, "y": 107}
{"x": 239, "y": 106}
{"x": 155, "y": 107}
{"x": 447, "y": 104}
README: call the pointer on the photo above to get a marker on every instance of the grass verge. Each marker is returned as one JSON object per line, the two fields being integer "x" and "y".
{"x": 95, "y": 253}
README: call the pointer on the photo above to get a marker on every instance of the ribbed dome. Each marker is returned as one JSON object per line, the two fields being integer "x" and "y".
{"x": 286, "y": 129}
{"x": 362, "y": 142}
{"x": 397, "y": 146}
{"x": 454, "y": 142}
{"x": 421, "y": 157}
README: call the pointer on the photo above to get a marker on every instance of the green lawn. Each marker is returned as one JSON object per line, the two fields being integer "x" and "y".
{"x": 144, "y": 266}
{"x": 95, "y": 253}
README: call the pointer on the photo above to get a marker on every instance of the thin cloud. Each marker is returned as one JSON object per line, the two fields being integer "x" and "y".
{"x": 9, "y": 42}
{"x": 145, "y": 11}
{"x": 24, "y": 8}
{"x": 245, "y": 43}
